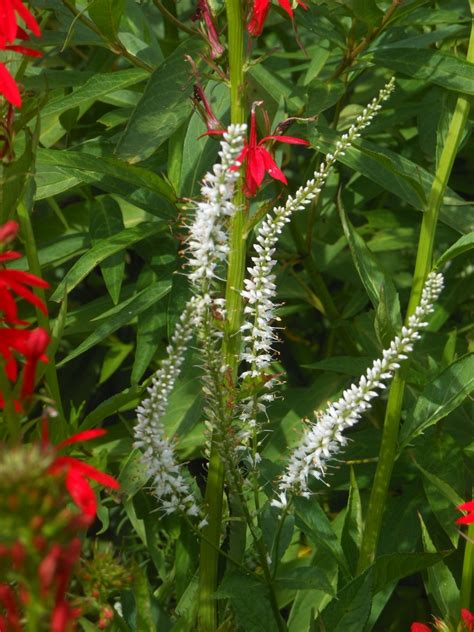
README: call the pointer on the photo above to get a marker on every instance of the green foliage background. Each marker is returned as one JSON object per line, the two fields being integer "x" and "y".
{"x": 108, "y": 150}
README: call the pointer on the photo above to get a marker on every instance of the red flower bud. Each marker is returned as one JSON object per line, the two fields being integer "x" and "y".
{"x": 8, "y": 232}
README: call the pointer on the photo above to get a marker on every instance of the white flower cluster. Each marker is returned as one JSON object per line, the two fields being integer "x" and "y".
{"x": 158, "y": 456}
{"x": 257, "y": 330}
{"x": 324, "y": 438}
{"x": 207, "y": 246}
{"x": 208, "y": 235}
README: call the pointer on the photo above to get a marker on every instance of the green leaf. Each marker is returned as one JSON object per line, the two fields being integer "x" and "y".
{"x": 106, "y": 15}
{"x": 164, "y": 106}
{"x": 430, "y": 65}
{"x": 440, "y": 453}
{"x": 101, "y": 250}
{"x": 89, "y": 168}
{"x": 441, "y": 585}
{"x": 347, "y": 365}
{"x": 125, "y": 400}
{"x": 351, "y": 535}
{"x": 350, "y": 609}
{"x": 113, "y": 359}
{"x": 149, "y": 324}
{"x": 307, "y": 602}
{"x": 99, "y": 85}
{"x": 323, "y": 95}
{"x": 367, "y": 12}
{"x": 463, "y": 244}
{"x": 440, "y": 397}
{"x": 250, "y": 601}
{"x": 133, "y": 475}
{"x": 305, "y": 578}
{"x": 272, "y": 528}
{"x": 319, "y": 54}
{"x": 105, "y": 221}
{"x": 312, "y": 520}
{"x": 275, "y": 87}
{"x": 388, "y": 319}
{"x": 121, "y": 315}
{"x": 399, "y": 175}
{"x": 377, "y": 285}
{"x": 142, "y": 594}
{"x": 390, "y": 568}
{"x": 12, "y": 180}
{"x": 443, "y": 487}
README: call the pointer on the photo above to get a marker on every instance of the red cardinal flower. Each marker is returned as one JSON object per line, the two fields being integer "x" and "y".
{"x": 210, "y": 32}
{"x": 419, "y": 627}
{"x": 468, "y": 618}
{"x": 78, "y": 474}
{"x": 259, "y": 160}
{"x": 8, "y": 87}
{"x": 205, "y": 110}
{"x": 9, "y": 601}
{"x": 10, "y": 30}
{"x": 259, "y": 12}
{"x": 17, "y": 281}
{"x": 9, "y": 27}
{"x": 8, "y": 232}
{"x": 469, "y": 517}
{"x": 31, "y": 344}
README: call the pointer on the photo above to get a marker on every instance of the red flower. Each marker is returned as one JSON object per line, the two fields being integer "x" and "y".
{"x": 77, "y": 474}
{"x": 8, "y": 600}
{"x": 204, "y": 12}
{"x": 469, "y": 517}
{"x": 9, "y": 31}
{"x": 259, "y": 12}
{"x": 468, "y": 618}
{"x": 16, "y": 281}
{"x": 9, "y": 27}
{"x": 8, "y": 87}
{"x": 31, "y": 344}
{"x": 54, "y": 573}
{"x": 63, "y": 617}
{"x": 205, "y": 110}
{"x": 419, "y": 627}
{"x": 8, "y": 232}
{"x": 259, "y": 160}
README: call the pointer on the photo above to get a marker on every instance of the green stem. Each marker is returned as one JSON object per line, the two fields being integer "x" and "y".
{"x": 235, "y": 481}
{"x": 467, "y": 568}
{"x": 43, "y": 320}
{"x": 209, "y": 556}
{"x": 9, "y": 415}
{"x": 423, "y": 265}
{"x": 115, "y": 47}
{"x": 354, "y": 51}
{"x": 166, "y": 9}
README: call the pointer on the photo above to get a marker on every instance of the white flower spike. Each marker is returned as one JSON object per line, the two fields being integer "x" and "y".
{"x": 258, "y": 333}
{"x": 207, "y": 247}
{"x": 324, "y": 438}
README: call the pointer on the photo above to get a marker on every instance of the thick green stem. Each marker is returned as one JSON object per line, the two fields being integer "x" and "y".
{"x": 423, "y": 265}
{"x": 207, "y": 610}
{"x": 43, "y": 320}
{"x": 467, "y": 569}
